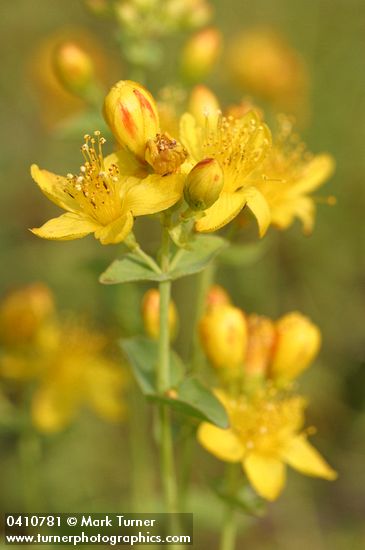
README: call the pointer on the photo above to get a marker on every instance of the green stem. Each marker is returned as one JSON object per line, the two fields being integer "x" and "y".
{"x": 205, "y": 279}
{"x": 229, "y": 531}
{"x": 131, "y": 243}
{"x": 163, "y": 384}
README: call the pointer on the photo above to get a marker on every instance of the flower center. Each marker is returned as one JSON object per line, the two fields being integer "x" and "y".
{"x": 96, "y": 188}
{"x": 237, "y": 145}
{"x": 165, "y": 154}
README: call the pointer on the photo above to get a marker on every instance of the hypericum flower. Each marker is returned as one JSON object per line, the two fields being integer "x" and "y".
{"x": 297, "y": 343}
{"x": 223, "y": 334}
{"x": 151, "y": 314}
{"x": 265, "y": 434}
{"x": 101, "y": 200}
{"x": 73, "y": 66}
{"x": 217, "y": 297}
{"x": 77, "y": 373}
{"x": 240, "y": 146}
{"x": 202, "y": 104}
{"x": 290, "y": 174}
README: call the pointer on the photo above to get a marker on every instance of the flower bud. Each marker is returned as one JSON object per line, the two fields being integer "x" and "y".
{"x": 217, "y": 297}
{"x": 151, "y": 315}
{"x": 204, "y": 105}
{"x": 203, "y": 184}
{"x": 23, "y": 311}
{"x": 131, "y": 113}
{"x": 223, "y": 334}
{"x": 298, "y": 342}
{"x": 201, "y": 53}
{"x": 73, "y": 67}
{"x": 261, "y": 340}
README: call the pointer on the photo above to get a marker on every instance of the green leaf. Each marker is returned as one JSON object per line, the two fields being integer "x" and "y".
{"x": 129, "y": 269}
{"x": 142, "y": 354}
{"x": 192, "y": 397}
{"x": 201, "y": 251}
{"x": 244, "y": 498}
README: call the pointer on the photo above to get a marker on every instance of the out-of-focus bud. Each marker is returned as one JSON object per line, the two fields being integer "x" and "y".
{"x": 204, "y": 105}
{"x": 204, "y": 184}
{"x": 261, "y": 340}
{"x": 73, "y": 67}
{"x": 264, "y": 64}
{"x": 165, "y": 154}
{"x": 200, "y": 54}
{"x": 241, "y": 109}
{"x": 22, "y": 313}
{"x": 98, "y": 7}
{"x": 298, "y": 342}
{"x": 217, "y": 297}
{"x": 223, "y": 334}
{"x": 151, "y": 315}
{"x": 131, "y": 113}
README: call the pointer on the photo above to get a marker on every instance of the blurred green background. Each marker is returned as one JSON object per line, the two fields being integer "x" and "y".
{"x": 88, "y": 467}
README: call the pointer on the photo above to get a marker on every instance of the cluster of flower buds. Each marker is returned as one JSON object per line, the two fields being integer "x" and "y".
{"x": 252, "y": 345}
{"x": 151, "y": 315}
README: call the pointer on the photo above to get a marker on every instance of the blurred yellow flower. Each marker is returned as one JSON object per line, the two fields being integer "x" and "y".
{"x": 201, "y": 53}
{"x": 290, "y": 174}
{"x": 151, "y": 315}
{"x": 101, "y": 200}
{"x": 77, "y": 373}
{"x": 240, "y": 146}
{"x": 263, "y": 63}
{"x": 265, "y": 435}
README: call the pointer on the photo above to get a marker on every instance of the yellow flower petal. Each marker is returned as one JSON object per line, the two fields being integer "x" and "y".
{"x": 302, "y": 456}
{"x": 222, "y": 212}
{"x": 53, "y": 409}
{"x": 317, "y": 171}
{"x": 191, "y": 137}
{"x": 116, "y": 231}
{"x": 223, "y": 444}
{"x": 266, "y": 474}
{"x": 52, "y": 186}
{"x": 260, "y": 209}
{"x": 154, "y": 194}
{"x": 66, "y": 227}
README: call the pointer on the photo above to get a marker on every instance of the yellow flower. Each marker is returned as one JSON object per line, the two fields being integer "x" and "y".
{"x": 77, "y": 373}
{"x": 291, "y": 173}
{"x": 260, "y": 344}
{"x": 101, "y": 200}
{"x": 240, "y": 146}
{"x": 201, "y": 53}
{"x": 265, "y": 435}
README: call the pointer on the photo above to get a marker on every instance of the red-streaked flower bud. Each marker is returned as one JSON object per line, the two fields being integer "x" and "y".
{"x": 151, "y": 315}
{"x": 261, "y": 340}
{"x": 223, "y": 334}
{"x": 131, "y": 113}
{"x": 204, "y": 184}
{"x": 73, "y": 67}
{"x": 298, "y": 342}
